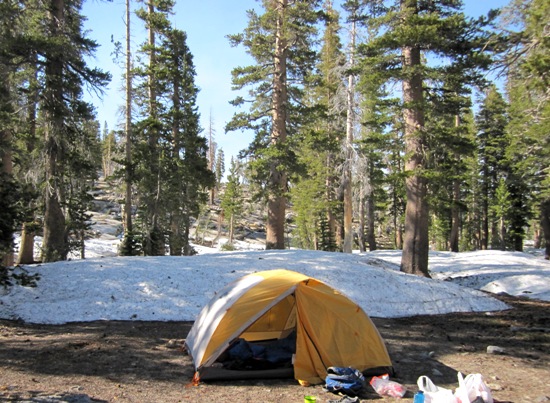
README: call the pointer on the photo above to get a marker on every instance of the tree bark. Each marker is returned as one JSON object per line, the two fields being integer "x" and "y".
{"x": 26, "y": 248}
{"x": 455, "y": 209}
{"x": 28, "y": 232}
{"x": 128, "y": 242}
{"x": 416, "y": 242}
{"x": 55, "y": 236}
{"x": 362, "y": 224}
{"x": 371, "y": 238}
{"x": 484, "y": 230}
{"x": 276, "y": 205}
{"x": 211, "y": 156}
{"x": 348, "y": 180}
{"x": 331, "y": 219}
{"x": 5, "y": 151}
{"x": 545, "y": 225}
{"x": 231, "y": 228}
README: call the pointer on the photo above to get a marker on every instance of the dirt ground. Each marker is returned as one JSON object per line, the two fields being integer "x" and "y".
{"x": 144, "y": 361}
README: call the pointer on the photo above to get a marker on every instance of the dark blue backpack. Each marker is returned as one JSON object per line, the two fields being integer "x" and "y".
{"x": 345, "y": 380}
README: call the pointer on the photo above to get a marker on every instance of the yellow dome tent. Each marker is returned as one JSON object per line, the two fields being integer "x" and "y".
{"x": 329, "y": 328}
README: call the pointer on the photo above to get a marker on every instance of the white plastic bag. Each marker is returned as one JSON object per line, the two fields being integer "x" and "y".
{"x": 472, "y": 387}
{"x": 435, "y": 394}
{"x": 383, "y": 386}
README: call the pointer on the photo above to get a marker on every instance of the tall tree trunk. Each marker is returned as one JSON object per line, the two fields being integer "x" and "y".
{"x": 371, "y": 238}
{"x": 231, "y": 228}
{"x": 26, "y": 247}
{"x": 545, "y": 225}
{"x": 416, "y": 242}
{"x": 276, "y": 205}
{"x": 484, "y": 230}
{"x": 362, "y": 225}
{"x": 128, "y": 244}
{"x": 331, "y": 220}
{"x": 455, "y": 217}
{"x": 155, "y": 237}
{"x": 28, "y": 232}
{"x": 55, "y": 236}
{"x": 175, "y": 239}
{"x": 455, "y": 209}
{"x": 6, "y": 157}
{"x": 211, "y": 155}
{"x": 348, "y": 180}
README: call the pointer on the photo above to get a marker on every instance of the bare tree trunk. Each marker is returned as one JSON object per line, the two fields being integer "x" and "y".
{"x": 348, "y": 180}
{"x": 231, "y": 228}
{"x": 455, "y": 209}
{"x": 6, "y": 157}
{"x": 416, "y": 242}
{"x": 362, "y": 224}
{"x": 484, "y": 231}
{"x": 545, "y": 225}
{"x": 331, "y": 220}
{"x": 28, "y": 232}
{"x": 154, "y": 244}
{"x": 276, "y": 205}
{"x": 371, "y": 238}
{"x": 502, "y": 233}
{"x": 211, "y": 155}
{"x": 55, "y": 236}
{"x": 128, "y": 242}
{"x": 220, "y": 226}
{"x": 175, "y": 243}
{"x": 26, "y": 248}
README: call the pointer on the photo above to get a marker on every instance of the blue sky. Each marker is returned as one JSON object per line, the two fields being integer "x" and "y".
{"x": 206, "y": 22}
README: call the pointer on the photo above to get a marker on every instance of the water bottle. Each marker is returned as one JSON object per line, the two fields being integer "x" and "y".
{"x": 419, "y": 397}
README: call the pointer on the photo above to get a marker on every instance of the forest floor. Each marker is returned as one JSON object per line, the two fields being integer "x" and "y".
{"x": 115, "y": 361}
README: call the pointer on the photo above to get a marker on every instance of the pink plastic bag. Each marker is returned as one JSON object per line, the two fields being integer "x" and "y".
{"x": 384, "y": 387}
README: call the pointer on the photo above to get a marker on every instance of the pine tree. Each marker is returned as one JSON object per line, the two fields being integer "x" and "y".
{"x": 155, "y": 16}
{"x": 232, "y": 200}
{"x": 172, "y": 190}
{"x": 219, "y": 168}
{"x": 128, "y": 245}
{"x": 64, "y": 75}
{"x": 313, "y": 190}
{"x": 528, "y": 58}
{"x": 491, "y": 122}
{"x": 212, "y": 149}
{"x": 412, "y": 30}
{"x": 9, "y": 12}
{"x": 280, "y": 41}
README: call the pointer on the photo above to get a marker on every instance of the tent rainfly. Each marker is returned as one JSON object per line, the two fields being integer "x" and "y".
{"x": 248, "y": 327}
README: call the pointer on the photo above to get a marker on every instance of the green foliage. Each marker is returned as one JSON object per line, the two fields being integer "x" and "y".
{"x": 326, "y": 236}
{"x": 10, "y": 212}
{"x": 131, "y": 244}
{"x": 258, "y": 38}
{"x": 232, "y": 199}
{"x": 227, "y": 247}
{"x": 10, "y": 276}
{"x": 171, "y": 172}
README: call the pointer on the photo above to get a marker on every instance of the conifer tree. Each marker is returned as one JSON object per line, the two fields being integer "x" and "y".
{"x": 65, "y": 72}
{"x": 414, "y": 29}
{"x": 128, "y": 244}
{"x": 155, "y": 15}
{"x": 171, "y": 190}
{"x": 313, "y": 190}
{"x": 528, "y": 58}
{"x": 280, "y": 41}
{"x": 491, "y": 122}
{"x": 219, "y": 168}
{"x": 232, "y": 199}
